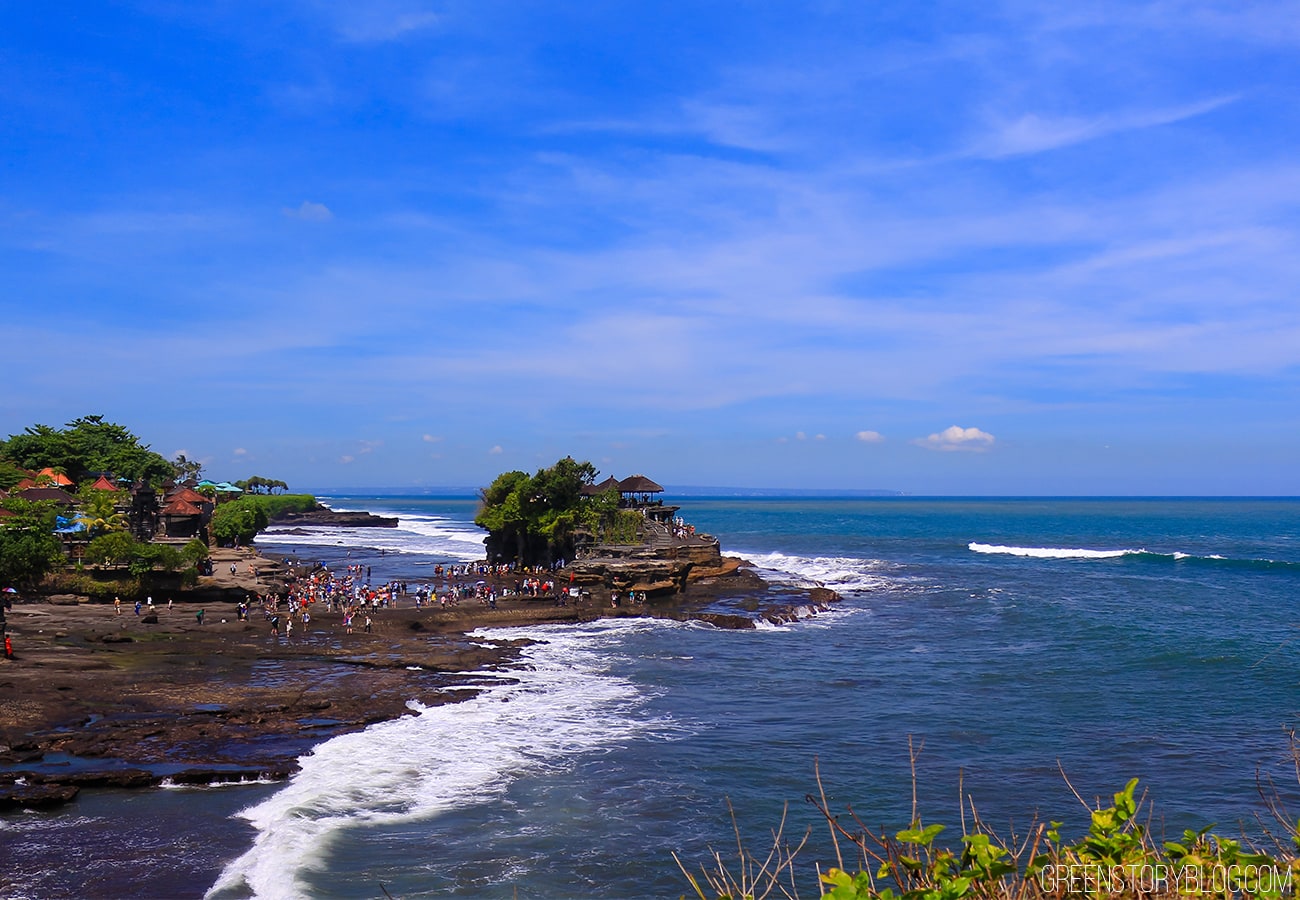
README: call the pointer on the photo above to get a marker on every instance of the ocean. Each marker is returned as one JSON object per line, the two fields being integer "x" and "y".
{"x": 1016, "y": 643}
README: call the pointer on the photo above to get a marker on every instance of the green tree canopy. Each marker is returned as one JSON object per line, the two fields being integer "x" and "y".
{"x": 259, "y": 485}
{"x": 534, "y": 519}
{"x": 29, "y": 548}
{"x": 187, "y": 469}
{"x": 238, "y": 521}
{"x": 88, "y": 444}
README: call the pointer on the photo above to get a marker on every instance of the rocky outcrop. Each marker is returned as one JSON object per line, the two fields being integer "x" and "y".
{"x": 323, "y": 516}
{"x": 659, "y": 566}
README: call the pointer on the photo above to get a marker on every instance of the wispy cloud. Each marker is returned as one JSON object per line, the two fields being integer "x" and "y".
{"x": 1031, "y": 133}
{"x": 870, "y": 437}
{"x": 378, "y": 21}
{"x": 309, "y": 211}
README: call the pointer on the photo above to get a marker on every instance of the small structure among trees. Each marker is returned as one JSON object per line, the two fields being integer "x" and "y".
{"x": 560, "y": 513}
{"x": 119, "y": 515}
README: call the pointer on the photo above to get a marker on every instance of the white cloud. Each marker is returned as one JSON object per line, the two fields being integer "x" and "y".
{"x": 870, "y": 437}
{"x": 432, "y": 438}
{"x": 800, "y": 436}
{"x": 347, "y": 459}
{"x": 495, "y": 451}
{"x": 310, "y": 212}
{"x": 820, "y": 437}
{"x": 240, "y": 451}
{"x": 957, "y": 438}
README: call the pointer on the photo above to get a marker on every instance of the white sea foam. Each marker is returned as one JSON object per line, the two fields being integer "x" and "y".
{"x": 1052, "y": 552}
{"x": 429, "y": 535}
{"x": 561, "y": 701}
{"x": 169, "y": 784}
{"x": 839, "y": 573}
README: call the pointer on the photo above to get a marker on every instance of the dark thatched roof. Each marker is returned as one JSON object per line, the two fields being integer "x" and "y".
{"x": 639, "y": 484}
{"x": 59, "y": 496}
{"x": 591, "y": 490}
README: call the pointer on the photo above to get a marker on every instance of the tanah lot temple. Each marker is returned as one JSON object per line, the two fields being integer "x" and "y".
{"x": 668, "y": 555}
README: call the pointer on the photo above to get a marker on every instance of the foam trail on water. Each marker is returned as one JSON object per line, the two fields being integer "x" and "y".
{"x": 564, "y": 702}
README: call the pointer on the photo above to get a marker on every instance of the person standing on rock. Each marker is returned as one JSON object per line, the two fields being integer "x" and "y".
{"x": 117, "y": 606}
{"x": 199, "y": 616}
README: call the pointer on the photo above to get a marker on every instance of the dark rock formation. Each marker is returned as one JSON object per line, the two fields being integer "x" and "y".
{"x": 323, "y": 516}
{"x": 36, "y": 796}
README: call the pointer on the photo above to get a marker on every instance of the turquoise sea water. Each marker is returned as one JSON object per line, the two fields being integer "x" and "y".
{"x": 1014, "y": 639}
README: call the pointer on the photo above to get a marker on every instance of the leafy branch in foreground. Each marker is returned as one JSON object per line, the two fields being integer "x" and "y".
{"x": 1116, "y": 857}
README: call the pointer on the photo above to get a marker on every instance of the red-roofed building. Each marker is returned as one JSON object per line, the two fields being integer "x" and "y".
{"x": 182, "y": 519}
{"x": 189, "y": 496}
{"x": 103, "y": 484}
{"x": 58, "y": 479}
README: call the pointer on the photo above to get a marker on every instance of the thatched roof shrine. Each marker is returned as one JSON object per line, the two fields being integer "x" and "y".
{"x": 639, "y": 484}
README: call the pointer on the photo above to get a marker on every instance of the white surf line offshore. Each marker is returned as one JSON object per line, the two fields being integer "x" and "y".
{"x": 1052, "y": 552}
{"x": 559, "y": 702}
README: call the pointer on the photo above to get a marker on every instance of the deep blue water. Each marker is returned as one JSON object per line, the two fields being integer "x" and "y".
{"x": 1014, "y": 639}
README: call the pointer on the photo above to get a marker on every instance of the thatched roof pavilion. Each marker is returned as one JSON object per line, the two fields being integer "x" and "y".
{"x": 639, "y": 484}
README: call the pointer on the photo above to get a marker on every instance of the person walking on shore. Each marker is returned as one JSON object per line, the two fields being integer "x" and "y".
{"x": 368, "y": 624}
{"x": 117, "y": 606}
{"x": 199, "y": 616}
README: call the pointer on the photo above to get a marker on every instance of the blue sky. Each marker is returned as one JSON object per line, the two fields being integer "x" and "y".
{"x": 971, "y": 248}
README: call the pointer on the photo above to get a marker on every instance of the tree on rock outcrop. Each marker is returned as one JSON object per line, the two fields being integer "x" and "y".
{"x": 533, "y": 520}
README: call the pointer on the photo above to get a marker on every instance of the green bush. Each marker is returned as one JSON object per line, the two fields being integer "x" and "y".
{"x": 239, "y": 521}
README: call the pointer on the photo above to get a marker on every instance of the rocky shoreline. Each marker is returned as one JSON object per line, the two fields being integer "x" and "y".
{"x": 324, "y": 516}
{"x": 97, "y": 697}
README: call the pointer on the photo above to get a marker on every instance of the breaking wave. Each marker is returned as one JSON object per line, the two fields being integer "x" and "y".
{"x": 1141, "y": 554}
{"x": 839, "y": 573}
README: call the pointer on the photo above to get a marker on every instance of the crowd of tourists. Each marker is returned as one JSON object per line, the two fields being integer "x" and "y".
{"x": 350, "y": 593}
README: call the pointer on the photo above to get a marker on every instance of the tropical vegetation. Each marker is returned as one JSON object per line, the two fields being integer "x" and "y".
{"x": 259, "y": 485}
{"x": 29, "y": 548}
{"x": 537, "y": 519}
{"x": 1118, "y": 856}
{"x": 89, "y": 447}
{"x": 239, "y": 521}
{"x": 87, "y": 444}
